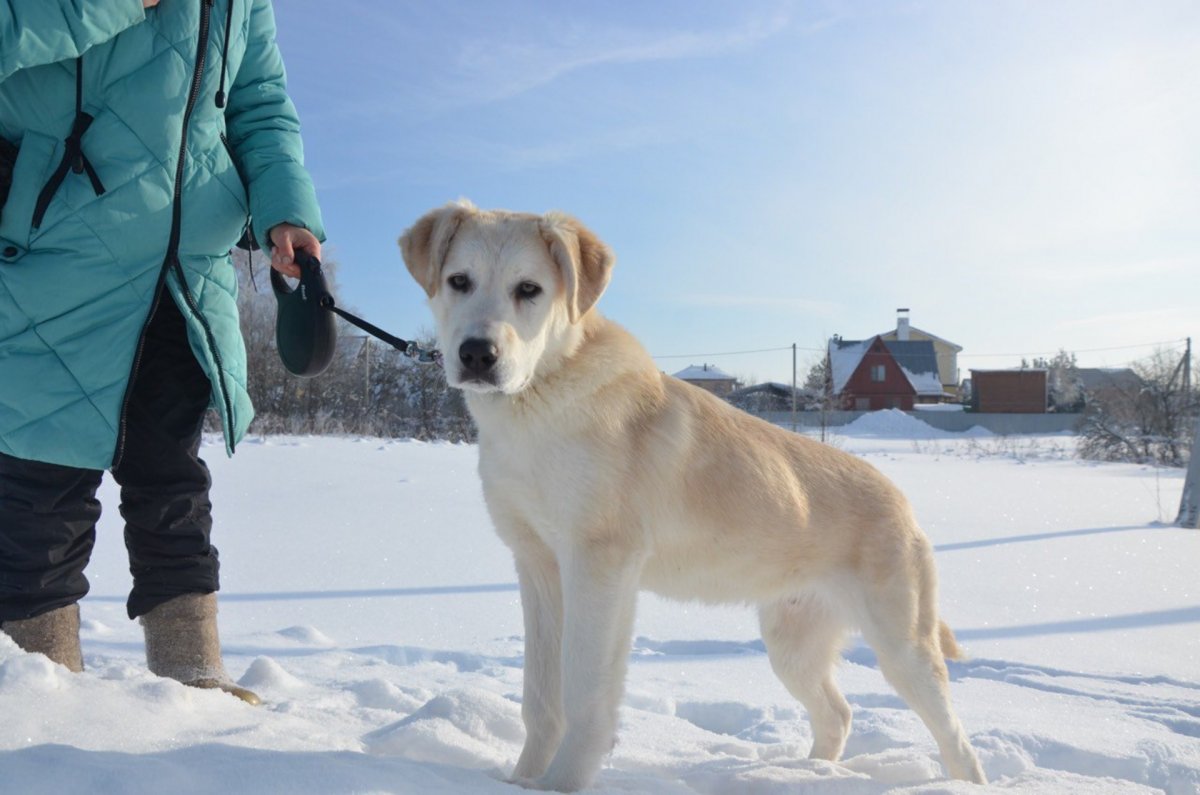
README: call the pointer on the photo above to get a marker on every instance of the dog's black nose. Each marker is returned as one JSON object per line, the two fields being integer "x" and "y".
{"x": 478, "y": 355}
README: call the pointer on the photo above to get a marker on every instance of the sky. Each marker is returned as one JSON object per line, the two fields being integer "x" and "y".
{"x": 1023, "y": 176}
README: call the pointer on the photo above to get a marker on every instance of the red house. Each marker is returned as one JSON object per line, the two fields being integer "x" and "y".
{"x": 874, "y": 374}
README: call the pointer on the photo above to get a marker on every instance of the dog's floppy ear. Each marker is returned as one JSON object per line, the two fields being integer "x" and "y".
{"x": 585, "y": 261}
{"x": 425, "y": 244}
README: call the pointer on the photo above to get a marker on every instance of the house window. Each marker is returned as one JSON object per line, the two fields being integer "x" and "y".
{"x": 878, "y": 373}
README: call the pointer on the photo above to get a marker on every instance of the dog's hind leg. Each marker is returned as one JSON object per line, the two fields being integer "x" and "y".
{"x": 901, "y": 625}
{"x": 803, "y": 641}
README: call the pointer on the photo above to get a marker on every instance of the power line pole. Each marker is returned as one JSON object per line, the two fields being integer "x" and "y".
{"x": 1189, "y": 503}
{"x": 367, "y": 379}
{"x": 793, "y": 387}
{"x": 1187, "y": 373}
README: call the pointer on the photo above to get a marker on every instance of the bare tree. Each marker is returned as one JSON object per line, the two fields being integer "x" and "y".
{"x": 819, "y": 383}
{"x": 1147, "y": 422}
{"x": 1063, "y": 385}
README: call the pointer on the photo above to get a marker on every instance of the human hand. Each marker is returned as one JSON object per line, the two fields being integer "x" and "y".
{"x": 286, "y": 240}
{"x": 149, "y": 3}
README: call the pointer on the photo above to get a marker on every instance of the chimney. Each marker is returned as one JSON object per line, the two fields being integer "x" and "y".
{"x": 902, "y": 324}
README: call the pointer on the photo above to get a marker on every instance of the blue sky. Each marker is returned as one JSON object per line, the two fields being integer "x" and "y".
{"x": 1024, "y": 176}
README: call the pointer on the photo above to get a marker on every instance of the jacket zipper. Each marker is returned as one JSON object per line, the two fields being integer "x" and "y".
{"x": 172, "y": 258}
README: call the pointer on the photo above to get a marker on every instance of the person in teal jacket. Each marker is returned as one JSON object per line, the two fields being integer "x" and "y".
{"x": 146, "y": 134}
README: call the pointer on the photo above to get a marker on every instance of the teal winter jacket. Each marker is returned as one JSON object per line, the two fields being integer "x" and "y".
{"x": 191, "y": 132}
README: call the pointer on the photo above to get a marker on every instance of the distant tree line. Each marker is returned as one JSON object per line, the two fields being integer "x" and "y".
{"x": 369, "y": 388}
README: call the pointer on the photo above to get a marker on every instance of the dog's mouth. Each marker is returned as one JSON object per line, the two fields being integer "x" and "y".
{"x": 489, "y": 384}
{"x": 477, "y": 383}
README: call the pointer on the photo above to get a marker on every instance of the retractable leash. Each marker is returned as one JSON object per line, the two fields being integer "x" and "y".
{"x": 305, "y": 329}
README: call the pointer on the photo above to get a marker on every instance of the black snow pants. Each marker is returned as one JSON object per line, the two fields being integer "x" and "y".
{"x": 48, "y": 512}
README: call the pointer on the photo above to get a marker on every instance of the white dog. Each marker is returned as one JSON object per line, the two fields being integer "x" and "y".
{"x": 605, "y": 476}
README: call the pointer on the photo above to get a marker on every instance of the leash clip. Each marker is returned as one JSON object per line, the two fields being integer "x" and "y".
{"x": 422, "y": 355}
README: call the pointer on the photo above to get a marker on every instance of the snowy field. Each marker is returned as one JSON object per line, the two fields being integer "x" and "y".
{"x": 367, "y": 600}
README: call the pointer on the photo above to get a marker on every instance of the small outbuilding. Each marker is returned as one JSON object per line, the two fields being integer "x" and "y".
{"x": 1020, "y": 391}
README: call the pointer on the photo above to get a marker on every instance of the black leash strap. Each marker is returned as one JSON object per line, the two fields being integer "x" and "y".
{"x": 408, "y": 348}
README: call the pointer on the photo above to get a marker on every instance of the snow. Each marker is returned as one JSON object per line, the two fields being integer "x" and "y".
{"x": 367, "y": 600}
{"x": 924, "y": 383}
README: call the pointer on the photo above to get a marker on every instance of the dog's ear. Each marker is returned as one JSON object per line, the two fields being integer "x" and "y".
{"x": 585, "y": 261}
{"x": 427, "y": 242}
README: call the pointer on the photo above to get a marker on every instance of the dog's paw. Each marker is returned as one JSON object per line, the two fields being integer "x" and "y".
{"x": 559, "y": 782}
{"x": 542, "y": 784}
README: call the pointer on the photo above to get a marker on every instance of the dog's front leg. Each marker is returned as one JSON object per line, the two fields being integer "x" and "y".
{"x": 541, "y": 704}
{"x": 600, "y": 585}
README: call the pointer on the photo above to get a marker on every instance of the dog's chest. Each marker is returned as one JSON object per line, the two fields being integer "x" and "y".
{"x": 549, "y": 484}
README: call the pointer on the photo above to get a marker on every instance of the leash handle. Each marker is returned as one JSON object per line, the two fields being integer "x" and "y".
{"x": 409, "y": 348}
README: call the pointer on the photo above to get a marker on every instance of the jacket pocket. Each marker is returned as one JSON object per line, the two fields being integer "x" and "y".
{"x": 246, "y": 241}
{"x": 8, "y": 158}
{"x": 36, "y": 158}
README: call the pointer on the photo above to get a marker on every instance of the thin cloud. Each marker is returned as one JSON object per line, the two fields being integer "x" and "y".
{"x": 724, "y": 301}
{"x": 489, "y": 71}
{"x": 1077, "y": 273}
{"x": 1143, "y": 321}
{"x": 513, "y": 157}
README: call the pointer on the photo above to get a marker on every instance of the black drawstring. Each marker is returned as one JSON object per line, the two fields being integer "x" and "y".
{"x": 77, "y": 167}
{"x": 225, "y": 54}
{"x": 73, "y": 157}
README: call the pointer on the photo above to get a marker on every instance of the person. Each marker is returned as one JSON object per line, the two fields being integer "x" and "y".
{"x": 149, "y": 134}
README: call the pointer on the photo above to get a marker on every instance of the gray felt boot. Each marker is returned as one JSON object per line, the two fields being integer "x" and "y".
{"x": 182, "y": 644}
{"x": 54, "y": 634}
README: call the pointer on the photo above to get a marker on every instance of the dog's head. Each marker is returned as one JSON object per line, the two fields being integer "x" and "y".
{"x": 508, "y": 290}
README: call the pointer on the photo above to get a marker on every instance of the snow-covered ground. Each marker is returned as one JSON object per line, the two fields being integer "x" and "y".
{"x": 367, "y": 599}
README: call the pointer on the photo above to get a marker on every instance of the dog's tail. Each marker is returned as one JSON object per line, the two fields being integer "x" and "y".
{"x": 950, "y": 648}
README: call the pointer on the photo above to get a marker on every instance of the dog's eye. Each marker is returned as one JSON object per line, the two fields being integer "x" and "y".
{"x": 459, "y": 283}
{"x": 527, "y": 290}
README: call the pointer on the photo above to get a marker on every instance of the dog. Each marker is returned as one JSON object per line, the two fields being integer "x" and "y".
{"x": 605, "y": 476}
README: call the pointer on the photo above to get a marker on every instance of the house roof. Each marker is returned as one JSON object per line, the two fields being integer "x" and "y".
{"x": 844, "y": 358}
{"x": 1093, "y": 378}
{"x": 916, "y": 358}
{"x": 1011, "y": 370}
{"x": 703, "y": 372}
{"x": 911, "y": 329}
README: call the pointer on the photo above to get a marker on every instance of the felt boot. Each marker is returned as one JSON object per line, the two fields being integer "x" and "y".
{"x": 182, "y": 644}
{"x": 54, "y": 634}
